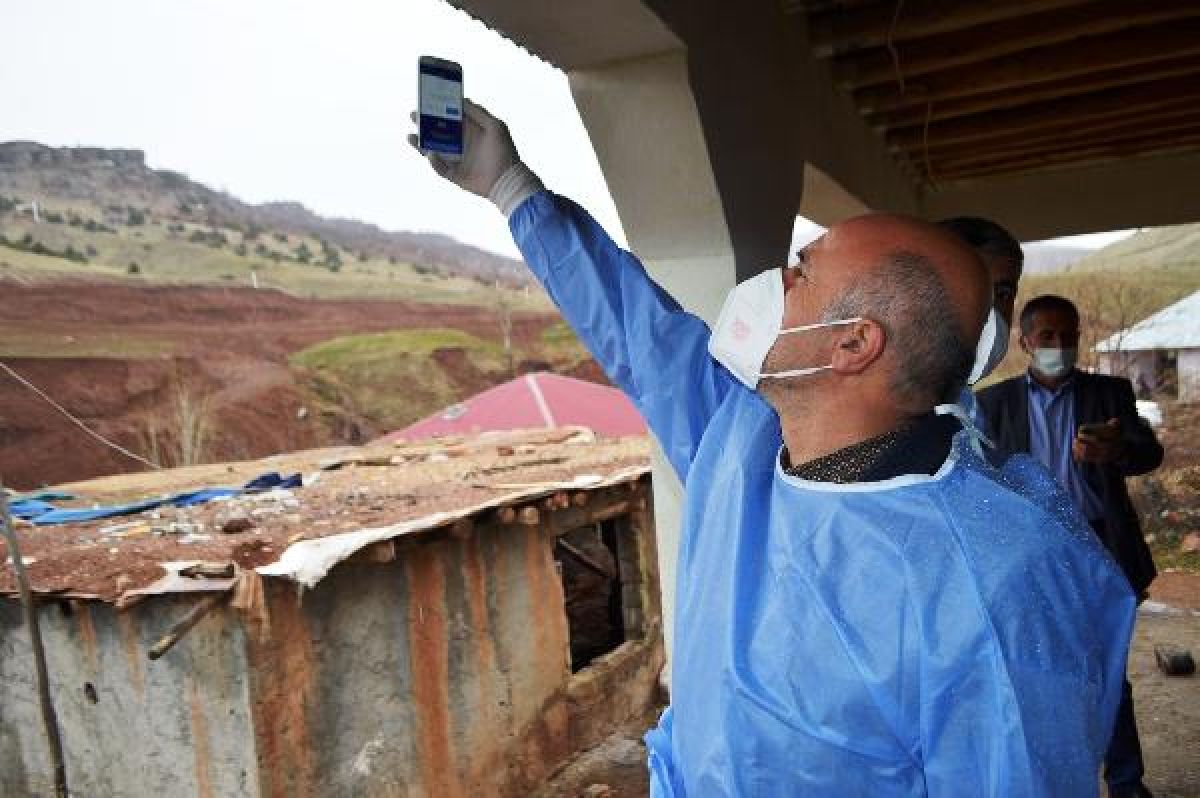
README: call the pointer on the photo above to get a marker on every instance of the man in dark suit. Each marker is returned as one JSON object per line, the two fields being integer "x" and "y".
{"x": 1085, "y": 429}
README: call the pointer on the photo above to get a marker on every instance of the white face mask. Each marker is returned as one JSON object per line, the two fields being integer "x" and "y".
{"x": 992, "y": 347}
{"x": 751, "y": 320}
{"x": 1054, "y": 363}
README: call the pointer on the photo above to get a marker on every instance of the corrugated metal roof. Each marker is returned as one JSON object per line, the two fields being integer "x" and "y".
{"x": 363, "y": 495}
{"x": 1174, "y": 327}
{"x": 530, "y": 401}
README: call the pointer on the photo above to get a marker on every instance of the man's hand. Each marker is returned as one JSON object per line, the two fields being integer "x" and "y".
{"x": 490, "y": 166}
{"x": 1099, "y": 443}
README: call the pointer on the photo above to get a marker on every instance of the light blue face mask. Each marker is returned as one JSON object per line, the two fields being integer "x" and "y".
{"x": 1054, "y": 363}
{"x": 992, "y": 347}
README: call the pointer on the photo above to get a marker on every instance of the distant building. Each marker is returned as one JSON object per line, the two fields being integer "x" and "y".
{"x": 1160, "y": 354}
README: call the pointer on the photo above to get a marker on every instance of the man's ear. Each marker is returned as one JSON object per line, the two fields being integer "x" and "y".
{"x": 856, "y": 346}
{"x": 1024, "y": 344}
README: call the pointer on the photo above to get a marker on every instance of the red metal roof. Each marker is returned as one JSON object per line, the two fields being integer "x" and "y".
{"x": 532, "y": 401}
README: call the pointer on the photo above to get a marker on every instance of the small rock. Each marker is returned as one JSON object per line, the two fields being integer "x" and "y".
{"x": 233, "y": 526}
{"x": 598, "y": 791}
{"x": 626, "y": 752}
{"x": 1190, "y": 542}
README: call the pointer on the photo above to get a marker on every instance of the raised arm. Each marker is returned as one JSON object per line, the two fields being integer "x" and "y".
{"x": 647, "y": 344}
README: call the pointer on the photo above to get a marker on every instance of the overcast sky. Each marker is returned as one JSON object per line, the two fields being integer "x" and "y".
{"x": 303, "y": 100}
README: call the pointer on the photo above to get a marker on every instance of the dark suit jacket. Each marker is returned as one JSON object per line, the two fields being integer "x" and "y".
{"x": 1005, "y": 408}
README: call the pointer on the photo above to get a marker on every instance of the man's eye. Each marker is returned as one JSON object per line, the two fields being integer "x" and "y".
{"x": 800, "y": 267}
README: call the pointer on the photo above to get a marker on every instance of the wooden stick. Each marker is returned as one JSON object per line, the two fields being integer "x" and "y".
{"x": 49, "y": 718}
{"x": 585, "y": 560}
{"x": 195, "y": 614}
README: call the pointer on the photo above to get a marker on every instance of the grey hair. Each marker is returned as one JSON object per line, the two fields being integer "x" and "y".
{"x": 909, "y": 300}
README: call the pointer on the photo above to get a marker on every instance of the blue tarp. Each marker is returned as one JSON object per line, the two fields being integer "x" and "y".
{"x": 44, "y": 514}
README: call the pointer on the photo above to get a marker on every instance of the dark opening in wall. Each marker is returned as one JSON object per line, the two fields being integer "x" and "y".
{"x": 601, "y": 578}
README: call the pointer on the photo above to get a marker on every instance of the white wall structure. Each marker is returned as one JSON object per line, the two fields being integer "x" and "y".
{"x": 1188, "y": 367}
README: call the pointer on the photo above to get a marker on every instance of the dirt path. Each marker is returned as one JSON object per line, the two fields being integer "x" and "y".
{"x": 1168, "y": 708}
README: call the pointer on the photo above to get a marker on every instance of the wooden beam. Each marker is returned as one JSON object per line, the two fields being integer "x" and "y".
{"x": 1182, "y": 127}
{"x": 1077, "y": 159}
{"x": 1101, "y": 53}
{"x": 839, "y": 31}
{"x": 1047, "y": 115}
{"x": 1009, "y": 37}
{"x": 1070, "y": 133}
{"x": 586, "y": 561}
{"x": 1053, "y": 90}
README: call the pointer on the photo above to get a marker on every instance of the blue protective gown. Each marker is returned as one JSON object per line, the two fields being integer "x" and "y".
{"x": 961, "y": 634}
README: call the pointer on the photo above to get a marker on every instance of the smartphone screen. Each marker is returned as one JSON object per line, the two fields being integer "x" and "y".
{"x": 439, "y": 97}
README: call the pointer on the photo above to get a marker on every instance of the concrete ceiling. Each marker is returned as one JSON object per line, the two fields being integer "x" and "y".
{"x": 1051, "y": 116}
{"x": 969, "y": 90}
{"x": 576, "y": 34}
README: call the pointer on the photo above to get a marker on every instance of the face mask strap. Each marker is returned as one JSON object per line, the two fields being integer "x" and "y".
{"x": 778, "y": 375}
{"x": 820, "y": 325}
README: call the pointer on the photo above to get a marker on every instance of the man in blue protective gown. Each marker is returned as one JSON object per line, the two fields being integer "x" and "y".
{"x": 865, "y": 607}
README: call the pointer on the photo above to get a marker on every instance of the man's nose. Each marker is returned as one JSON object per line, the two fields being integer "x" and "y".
{"x": 789, "y": 278}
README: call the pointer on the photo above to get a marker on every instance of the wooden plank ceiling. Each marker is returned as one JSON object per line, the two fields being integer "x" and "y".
{"x": 977, "y": 89}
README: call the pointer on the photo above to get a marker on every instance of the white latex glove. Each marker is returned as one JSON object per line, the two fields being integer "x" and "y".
{"x": 490, "y": 166}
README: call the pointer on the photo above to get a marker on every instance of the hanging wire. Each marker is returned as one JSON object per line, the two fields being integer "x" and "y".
{"x": 77, "y": 422}
{"x": 891, "y": 45}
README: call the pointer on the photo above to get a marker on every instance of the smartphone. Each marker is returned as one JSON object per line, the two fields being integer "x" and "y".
{"x": 1098, "y": 432}
{"x": 440, "y": 103}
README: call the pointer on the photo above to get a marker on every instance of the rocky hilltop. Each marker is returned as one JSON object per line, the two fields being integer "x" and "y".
{"x": 104, "y": 179}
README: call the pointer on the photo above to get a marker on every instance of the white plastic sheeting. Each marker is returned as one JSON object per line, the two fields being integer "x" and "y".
{"x": 308, "y": 561}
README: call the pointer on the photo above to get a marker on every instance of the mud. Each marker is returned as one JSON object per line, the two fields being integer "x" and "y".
{"x": 117, "y": 354}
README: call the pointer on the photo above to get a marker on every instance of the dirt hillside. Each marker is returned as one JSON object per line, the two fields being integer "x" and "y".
{"x": 150, "y": 365}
